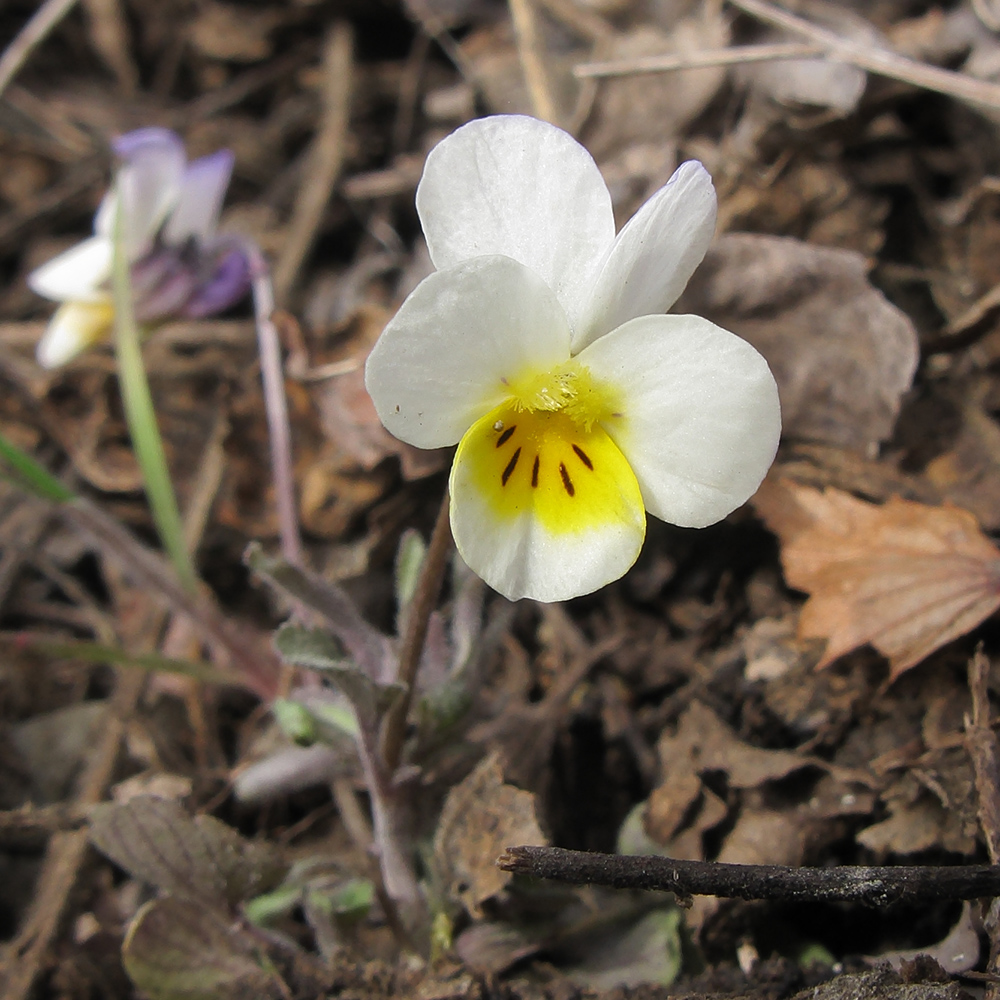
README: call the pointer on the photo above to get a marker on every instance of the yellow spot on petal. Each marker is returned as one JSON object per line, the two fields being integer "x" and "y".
{"x": 571, "y": 477}
{"x": 74, "y": 327}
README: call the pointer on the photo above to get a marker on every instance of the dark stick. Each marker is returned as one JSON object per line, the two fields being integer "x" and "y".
{"x": 857, "y": 884}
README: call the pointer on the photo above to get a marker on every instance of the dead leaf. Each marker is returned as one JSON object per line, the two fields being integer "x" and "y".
{"x": 481, "y": 817}
{"x": 841, "y": 354}
{"x": 956, "y": 953}
{"x": 348, "y": 415}
{"x": 177, "y": 949}
{"x": 654, "y": 109}
{"x": 904, "y": 576}
{"x": 201, "y": 859}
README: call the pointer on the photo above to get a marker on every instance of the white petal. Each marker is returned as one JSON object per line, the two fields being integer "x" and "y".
{"x": 442, "y": 361}
{"x": 77, "y": 274}
{"x": 654, "y": 256}
{"x": 517, "y": 186}
{"x": 200, "y": 202}
{"x": 700, "y": 416}
{"x": 149, "y": 181}
{"x": 541, "y": 508}
{"x": 72, "y": 329}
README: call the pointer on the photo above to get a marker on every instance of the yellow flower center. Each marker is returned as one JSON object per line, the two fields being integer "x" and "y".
{"x": 544, "y": 452}
{"x": 568, "y": 388}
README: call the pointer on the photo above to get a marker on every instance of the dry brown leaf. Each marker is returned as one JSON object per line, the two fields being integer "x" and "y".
{"x": 842, "y": 355}
{"x": 481, "y": 818}
{"x": 905, "y": 577}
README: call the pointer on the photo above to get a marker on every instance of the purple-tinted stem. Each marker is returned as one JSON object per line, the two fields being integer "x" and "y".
{"x": 275, "y": 406}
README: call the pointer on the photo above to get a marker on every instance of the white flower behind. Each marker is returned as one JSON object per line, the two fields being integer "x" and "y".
{"x": 179, "y": 266}
{"x": 540, "y": 347}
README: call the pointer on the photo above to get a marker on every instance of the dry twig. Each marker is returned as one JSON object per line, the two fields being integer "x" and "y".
{"x": 531, "y": 50}
{"x": 731, "y": 56}
{"x": 323, "y": 162}
{"x": 48, "y": 15}
{"x": 978, "y": 93}
{"x": 871, "y": 886}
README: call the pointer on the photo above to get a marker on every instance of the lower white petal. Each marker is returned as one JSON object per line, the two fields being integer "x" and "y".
{"x": 74, "y": 327}
{"x": 76, "y": 275}
{"x": 654, "y": 255}
{"x": 541, "y": 508}
{"x": 698, "y": 416}
{"x": 457, "y": 343}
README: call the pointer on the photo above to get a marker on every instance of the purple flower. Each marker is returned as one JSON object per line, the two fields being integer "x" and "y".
{"x": 180, "y": 265}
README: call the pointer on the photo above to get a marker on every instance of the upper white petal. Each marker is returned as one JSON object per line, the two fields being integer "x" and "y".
{"x": 149, "y": 183}
{"x": 76, "y": 275}
{"x": 654, "y": 255}
{"x": 517, "y": 186}
{"x": 701, "y": 418}
{"x": 442, "y": 361}
{"x": 200, "y": 201}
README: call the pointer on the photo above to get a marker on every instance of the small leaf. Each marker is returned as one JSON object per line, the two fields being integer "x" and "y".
{"x": 178, "y": 950}
{"x": 201, "y": 860}
{"x": 905, "y": 577}
{"x": 316, "y": 650}
{"x": 409, "y": 560}
{"x": 648, "y": 951}
{"x": 367, "y": 646}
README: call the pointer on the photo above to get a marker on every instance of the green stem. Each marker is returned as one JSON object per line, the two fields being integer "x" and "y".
{"x": 29, "y": 475}
{"x": 141, "y": 419}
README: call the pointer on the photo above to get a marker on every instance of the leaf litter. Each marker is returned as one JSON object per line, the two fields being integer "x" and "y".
{"x": 679, "y": 712}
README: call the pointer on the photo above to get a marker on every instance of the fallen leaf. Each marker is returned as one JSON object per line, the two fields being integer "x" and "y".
{"x": 903, "y": 576}
{"x": 177, "y": 950}
{"x": 841, "y": 354}
{"x": 481, "y": 817}
{"x": 201, "y": 860}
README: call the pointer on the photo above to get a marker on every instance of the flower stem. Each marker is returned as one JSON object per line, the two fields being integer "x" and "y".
{"x": 415, "y": 632}
{"x": 275, "y": 407}
{"x": 141, "y": 419}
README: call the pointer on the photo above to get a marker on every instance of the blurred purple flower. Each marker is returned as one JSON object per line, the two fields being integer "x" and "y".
{"x": 180, "y": 266}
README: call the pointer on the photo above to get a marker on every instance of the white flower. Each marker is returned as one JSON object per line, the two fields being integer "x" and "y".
{"x": 540, "y": 347}
{"x": 179, "y": 266}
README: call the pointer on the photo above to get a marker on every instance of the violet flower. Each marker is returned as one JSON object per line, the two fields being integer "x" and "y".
{"x": 180, "y": 266}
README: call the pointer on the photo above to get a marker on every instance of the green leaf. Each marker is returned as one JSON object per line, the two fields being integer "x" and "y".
{"x": 178, "y": 950}
{"x": 409, "y": 560}
{"x": 317, "y": 650}
{"x": 29, "y": 475}
{"x": 97, "y": 652}
{"x": 646, "y": 951}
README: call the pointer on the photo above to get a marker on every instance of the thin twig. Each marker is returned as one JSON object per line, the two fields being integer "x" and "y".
{"x": 323, "y": 161}
{"x": 531, "y": 50}
{"x": 48, "y": 15}
{"x": 109, "y": 36}
{"x": 871, "y": 886}
{"x": 417, "y": 618}
{"x": 984, "y": 752}
{"x": 275, "y": 408}
{"x": 669, "y": 61}
{"x": 979, "y": 93}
